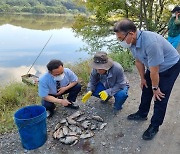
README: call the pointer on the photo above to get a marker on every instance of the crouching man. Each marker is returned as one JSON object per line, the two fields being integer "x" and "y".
{"x": 107, "y": 79}
{"x": 55, "y": 83}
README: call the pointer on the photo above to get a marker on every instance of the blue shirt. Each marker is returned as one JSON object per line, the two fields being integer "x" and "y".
{"x": 47, "y": 84}
{"x": 153, "y": 49}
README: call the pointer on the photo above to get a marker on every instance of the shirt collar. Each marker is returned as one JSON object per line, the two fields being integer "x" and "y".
{"x": 138, "y": 41}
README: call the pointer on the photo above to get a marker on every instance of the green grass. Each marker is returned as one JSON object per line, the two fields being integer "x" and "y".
{"x": 125, "y": 58}
{"x": 12, "y": 97}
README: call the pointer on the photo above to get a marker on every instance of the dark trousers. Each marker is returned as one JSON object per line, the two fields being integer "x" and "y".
{"x": 167, "y": 79}
{"x": 73, "y": 92}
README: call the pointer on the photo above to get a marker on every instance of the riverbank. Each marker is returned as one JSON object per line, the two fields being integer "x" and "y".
{"x": 120, "y": 136}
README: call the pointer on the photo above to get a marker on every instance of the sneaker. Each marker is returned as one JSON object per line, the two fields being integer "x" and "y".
{"x": 49, "y": 113}
{"x": 136, "y": 116}
{"x": 72, "y": 106}
{"x": 150, "y": 132}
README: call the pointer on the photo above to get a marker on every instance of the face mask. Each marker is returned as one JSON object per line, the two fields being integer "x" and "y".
{"x": 124, "y": 44}
{"x": 173, "y": 15}
{"x": 59, "y": 77}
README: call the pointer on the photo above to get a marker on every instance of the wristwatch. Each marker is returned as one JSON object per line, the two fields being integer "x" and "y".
{"x": 155, "y": 88}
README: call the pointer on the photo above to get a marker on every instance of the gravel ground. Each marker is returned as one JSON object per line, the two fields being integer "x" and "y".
{"x": 120, "y": 136}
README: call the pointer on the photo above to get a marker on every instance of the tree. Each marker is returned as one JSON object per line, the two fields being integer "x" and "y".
{"x": 150, "y": 15}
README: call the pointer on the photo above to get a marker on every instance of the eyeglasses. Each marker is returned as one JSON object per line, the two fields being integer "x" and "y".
{"x": 124, "y": 37}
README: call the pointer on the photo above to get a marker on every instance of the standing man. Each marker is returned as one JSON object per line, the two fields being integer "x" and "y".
{"x": 174, "y": 27}
{"x": 107, "y": 79}
{"x": 162, "y": 63}
{"x": 55, "y": 83}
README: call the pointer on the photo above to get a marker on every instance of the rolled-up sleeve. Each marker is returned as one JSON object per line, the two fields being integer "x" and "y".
{"x": 155, "y": 54}
{"x": 72, "y": 76}
{"x": 43, "y": 89}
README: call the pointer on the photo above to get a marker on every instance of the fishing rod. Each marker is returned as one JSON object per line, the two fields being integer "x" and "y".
{"x": 39, "y": 54}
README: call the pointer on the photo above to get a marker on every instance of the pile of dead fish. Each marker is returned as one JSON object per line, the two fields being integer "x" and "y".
{"x": 77, "y": 126}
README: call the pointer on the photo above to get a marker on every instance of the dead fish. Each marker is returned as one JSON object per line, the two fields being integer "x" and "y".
{"x": 76, "y": 114}
{"x": 82, "y": 118}
{"x": 98, "y": 118}
{"x": 102, "y": 125}
{"x": 58, "y": 134}
{"x": 93, "y": 127}
{"x": 75, "y": 129}
{"x": 69, "y": 139}
{"x": 86, "y": 124}
{"x": 57, "y": 126}
{"x": 65, "y": 130}
{"x": 72, "y": 134}
{"x": 71, "y": 121}
{"x": 63, "y": 121}
{"x": 87, "y": 134}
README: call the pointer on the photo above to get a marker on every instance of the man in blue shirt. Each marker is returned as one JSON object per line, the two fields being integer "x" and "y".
{"x": 55, "y": 83}
{"x": 158, "y": 64}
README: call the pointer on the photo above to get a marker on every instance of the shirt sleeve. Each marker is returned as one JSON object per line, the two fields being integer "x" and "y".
{"x": 119, "y": 82}
{"x": 94, "y": 79}
{"x": 43, "y": 89}
{"x": 155, "y": 54}
{"x": 72, "y": 76}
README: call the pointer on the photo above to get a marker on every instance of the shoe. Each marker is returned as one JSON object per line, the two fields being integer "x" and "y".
{"x": 136, "y": 116}
{"x": 49, "y": 113}
{"x": 150, "y": 132}
{"x": 72, "y": 106}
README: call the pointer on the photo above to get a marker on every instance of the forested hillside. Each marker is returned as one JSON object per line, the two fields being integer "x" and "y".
{"x": 40, "y": 6}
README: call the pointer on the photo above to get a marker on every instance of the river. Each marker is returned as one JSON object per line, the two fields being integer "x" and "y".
{"x": 23, "y": 37}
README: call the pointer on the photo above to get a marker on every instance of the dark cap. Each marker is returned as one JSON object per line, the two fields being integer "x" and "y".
{"x": 101, "y": 61}
{"x": 177, "y": 8}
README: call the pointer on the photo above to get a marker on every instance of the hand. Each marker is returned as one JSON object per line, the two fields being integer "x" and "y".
{"x": 65, "y": 102}
{"x": 61, "y": 90}
{"x": 143, "y": 83}
{"x": 103, "y": 95}
{"x": 86, "y": 96}
{"x": 177, "y": 14}
{"x": 158, "y": 94}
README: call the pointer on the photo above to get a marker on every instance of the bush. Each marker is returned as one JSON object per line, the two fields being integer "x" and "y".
{"x": 125, "y": 58}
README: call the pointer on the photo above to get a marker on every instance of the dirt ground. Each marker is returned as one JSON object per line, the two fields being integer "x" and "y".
{"x": 120, "y": 136}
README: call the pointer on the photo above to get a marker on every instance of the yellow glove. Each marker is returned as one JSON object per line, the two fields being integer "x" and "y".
{"x": 103, "y": 95}
{"x": 86, "y": 96}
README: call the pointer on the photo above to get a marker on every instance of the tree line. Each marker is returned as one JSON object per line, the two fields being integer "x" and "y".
{"x": 40, "y": 6}
{"x": 96, "y": 30}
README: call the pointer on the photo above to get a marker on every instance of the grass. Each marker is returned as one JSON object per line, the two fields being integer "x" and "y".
{"x": 12, "y": 97}
{"x": 16, "y": 95}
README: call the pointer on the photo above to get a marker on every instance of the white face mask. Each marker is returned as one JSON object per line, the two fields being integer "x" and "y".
{"x": 59, "y": 77}
{"x": 173, "y": 15}
{"x": 124, "y": 44}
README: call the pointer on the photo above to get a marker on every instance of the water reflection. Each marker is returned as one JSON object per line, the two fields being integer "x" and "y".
{"x": 20, "y": 46}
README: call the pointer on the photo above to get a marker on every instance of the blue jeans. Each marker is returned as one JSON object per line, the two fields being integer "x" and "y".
{"x": 174, "y": 40}
{"x": 73, "y": 92}
{"x": 167, "y": 79}
{"x": 120, "y": 96}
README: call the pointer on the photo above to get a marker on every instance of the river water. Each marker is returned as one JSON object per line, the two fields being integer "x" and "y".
{"x": 23, "y": 37}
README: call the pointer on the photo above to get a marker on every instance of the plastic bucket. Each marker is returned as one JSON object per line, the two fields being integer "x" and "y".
{"x": 31, "y": 124}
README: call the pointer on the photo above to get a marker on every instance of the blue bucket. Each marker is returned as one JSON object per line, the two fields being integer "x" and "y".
{"x": 31, "y": 124}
